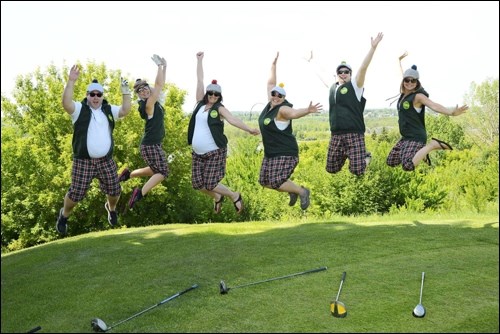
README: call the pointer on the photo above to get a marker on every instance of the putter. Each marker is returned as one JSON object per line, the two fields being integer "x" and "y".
{"x": 419, "y": 310}
{"x": 224, "y": 289}
{"x": 338, "y": 309}
{"x": 99, "y": 325}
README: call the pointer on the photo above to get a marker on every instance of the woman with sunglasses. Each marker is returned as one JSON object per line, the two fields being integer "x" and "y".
{"x": 209, "y": 143}
{"x": 411, "y": 149}
{"x": 153, "y": 114}
{"x": 347, "y": 124}
{"x": 281, "y": 151}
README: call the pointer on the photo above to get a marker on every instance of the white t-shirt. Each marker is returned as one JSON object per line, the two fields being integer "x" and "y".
{"x": 99, "y": 133}
{"x": 203, "y": 141}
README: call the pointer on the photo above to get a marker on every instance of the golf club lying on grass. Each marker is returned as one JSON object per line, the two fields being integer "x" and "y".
{"x": 99, "y": 325}
{"x": 224, "y": 289}
{"x": 419, "y": 310}
{"x": 338, "y": 309}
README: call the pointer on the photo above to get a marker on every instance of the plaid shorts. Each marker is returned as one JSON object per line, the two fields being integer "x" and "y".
{"x": 402, "y": 154}
{"x": 85, "y": 170}
{"x": 276, "y": 171}
{"x": 155, "y": 158}
{"x": 343, "y": 146}
{"x": 208, "y": 169}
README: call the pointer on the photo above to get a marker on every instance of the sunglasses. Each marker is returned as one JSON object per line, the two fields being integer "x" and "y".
{"x": 275, "y": 93}
{"x": 343, "y": 72}
{"x": 211, "y": 93}
{"x": 142, "y": 89}
{"x": 94, "y": 94}
{"x": 410, "y": 80}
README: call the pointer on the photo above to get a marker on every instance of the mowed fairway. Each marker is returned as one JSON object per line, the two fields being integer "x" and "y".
{"x": 61, "y": 286}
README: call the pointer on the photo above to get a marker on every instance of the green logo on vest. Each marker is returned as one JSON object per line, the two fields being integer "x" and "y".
{"x": 406, "y": 105}
{"x": 267, "y": 121}
{"x": 213, "y": 113}
{"x": 110, "y": 117}
{"x": 344, "y": 90}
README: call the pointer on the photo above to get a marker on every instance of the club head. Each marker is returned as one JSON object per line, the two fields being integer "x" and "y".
{"x": 338, "y": 309}
{"x": 98, "y": 325}
{"x": 419, "y": 311}
{"x": 223, "y": 289}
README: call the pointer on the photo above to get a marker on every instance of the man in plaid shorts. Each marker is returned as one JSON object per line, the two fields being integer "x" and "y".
{"x": 93, "y": 122}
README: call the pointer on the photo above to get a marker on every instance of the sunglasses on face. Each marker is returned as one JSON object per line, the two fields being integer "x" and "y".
{"x": 142, "y": 89}
{"x": 212, "y": 93}
{"x": 410, "y": 80}
{"x": 94, "y": 94}
{"x": 275, "y": 93}
{"x": 343, "y": 72}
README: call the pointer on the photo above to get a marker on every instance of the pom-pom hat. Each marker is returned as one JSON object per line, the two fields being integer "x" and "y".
{"x": 214, "y": 87}
{"x": 279, "y": 89}
{"x": 95, "y": 86}
{"x": 411, "y": 73}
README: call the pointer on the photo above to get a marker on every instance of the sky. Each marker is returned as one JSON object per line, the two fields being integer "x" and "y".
{"x": 452, "y": 43}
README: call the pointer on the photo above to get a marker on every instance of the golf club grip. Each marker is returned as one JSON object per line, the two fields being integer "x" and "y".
{"x": 343, "y": 276}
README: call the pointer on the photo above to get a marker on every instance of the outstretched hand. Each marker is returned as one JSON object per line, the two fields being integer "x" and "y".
{"x": 159, "y": 60}
{"x": 124, "y": 87}
{"x": 460, "y": 110}
{"x": 74, "y": 73}
{"x": 314, "y": 108}
{"x": 403, "y": 55}
{"x": 377, "y": 39}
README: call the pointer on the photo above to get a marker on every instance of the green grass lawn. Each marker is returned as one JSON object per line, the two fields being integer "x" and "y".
{"x": 112, "y": 275}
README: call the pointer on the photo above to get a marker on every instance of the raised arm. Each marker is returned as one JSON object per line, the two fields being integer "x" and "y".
{"x": 126, "y": 99}
{"x": 200, "y": 88}
{"x": 159, "y": 83}
{"x": 67, "y": 98}
{"x": 401, "y": 64}
{"x": 271, "y": 82}
{"x": 360, "y": 76}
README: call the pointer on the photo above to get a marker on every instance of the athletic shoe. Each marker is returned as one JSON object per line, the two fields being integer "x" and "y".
{"x": 136, "y": 195}
{"x": 62, "y": 223}
{"x": 124, "y": 176}
{"x": 293, "y": 198}
{"x": 112, "y": 216}
{"x": 304, "y": 199}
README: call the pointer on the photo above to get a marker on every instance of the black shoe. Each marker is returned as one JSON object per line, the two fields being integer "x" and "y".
{"x": 136, "y": 195}
{"x": 293, "y": 198}
{"x": 62, "y": 223}
{"x": 112, "y": 216}
{"x": 124, "y": 176}
{"x": 304, "y": 199}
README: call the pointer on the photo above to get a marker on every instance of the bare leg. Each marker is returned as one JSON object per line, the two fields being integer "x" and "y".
{"x": 422, "y": 153}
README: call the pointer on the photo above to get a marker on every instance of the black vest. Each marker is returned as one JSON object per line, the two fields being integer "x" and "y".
{"x": 412, "y": 123}
{"x": 215, "y": 124}
{"x": 81, "y": 127}
{"x": 346, "y": 112}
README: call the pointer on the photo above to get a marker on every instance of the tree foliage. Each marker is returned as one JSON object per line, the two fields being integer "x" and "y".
{"x": 37, "y": 160}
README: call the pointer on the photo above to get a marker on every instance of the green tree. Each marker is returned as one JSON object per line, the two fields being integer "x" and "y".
{"x": 482, "y": 119}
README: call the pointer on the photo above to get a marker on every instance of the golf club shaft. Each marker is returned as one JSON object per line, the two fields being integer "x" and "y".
{"x": 151, "y": 307}
{"x": 287, "y": 276}
{"x": 341, "y": 283}
{"x": 422, "y": 286}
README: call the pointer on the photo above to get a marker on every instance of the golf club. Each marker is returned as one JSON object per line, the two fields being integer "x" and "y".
{"x": 224, "y": 289}
{"x": 34, "y": 330}
{"x": 419, "y": 310}
{"x": 338, "y": 309}
{"x": 99, "y": 325}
